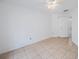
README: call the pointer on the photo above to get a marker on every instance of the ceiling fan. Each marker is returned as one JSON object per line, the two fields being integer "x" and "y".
{"x": 51, "y": 4}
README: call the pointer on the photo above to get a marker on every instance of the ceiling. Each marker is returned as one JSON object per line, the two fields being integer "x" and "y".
{"x": 41, "y": 4}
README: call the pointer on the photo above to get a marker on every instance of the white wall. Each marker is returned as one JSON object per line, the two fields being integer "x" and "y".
{"x": 18, "y": 23}
{"x": 75, "y": 26}
{"x": 61, "y": 25}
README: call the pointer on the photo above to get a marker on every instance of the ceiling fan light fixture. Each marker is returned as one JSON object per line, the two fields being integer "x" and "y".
{"x": 52, "y": 6}
{"x": 53, "y": 3}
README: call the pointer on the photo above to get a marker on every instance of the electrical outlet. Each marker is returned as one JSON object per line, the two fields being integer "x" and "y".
{"x": 30, "y": 38}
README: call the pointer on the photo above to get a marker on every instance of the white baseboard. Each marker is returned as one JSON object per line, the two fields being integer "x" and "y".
{"x": 60, "y": 36}
{"x": 43, "y": 38}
